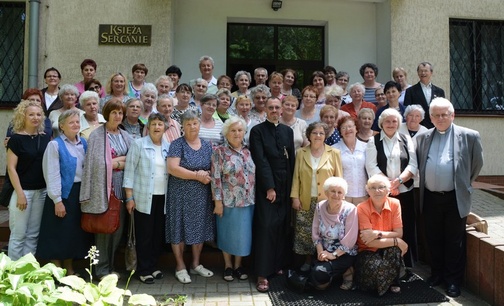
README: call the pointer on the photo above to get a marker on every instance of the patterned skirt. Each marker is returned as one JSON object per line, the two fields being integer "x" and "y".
{"x": 377, "y": 271}
{"x": 303, "y": 243}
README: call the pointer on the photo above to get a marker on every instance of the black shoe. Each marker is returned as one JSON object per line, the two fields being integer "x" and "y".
{"x": 453, "y": 291}
{"x": 434, "y": 280}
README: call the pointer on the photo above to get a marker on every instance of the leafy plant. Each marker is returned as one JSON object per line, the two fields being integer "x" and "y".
{"x": 24, "y": 282}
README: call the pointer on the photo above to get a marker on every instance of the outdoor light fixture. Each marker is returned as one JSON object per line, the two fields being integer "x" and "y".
{"x": 276, "y": 5}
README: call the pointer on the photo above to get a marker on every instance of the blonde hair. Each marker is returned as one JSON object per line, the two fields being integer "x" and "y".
{"x": 19, "y": 117}
{"x": 108, "y": 87}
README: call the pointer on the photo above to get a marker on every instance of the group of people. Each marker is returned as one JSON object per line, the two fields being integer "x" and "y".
{"x": 323, "y": 172}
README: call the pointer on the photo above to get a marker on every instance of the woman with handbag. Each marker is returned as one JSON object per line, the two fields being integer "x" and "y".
{"x": 102, "y": 180}
{"x": 145, "y": 184}
{"x": 61, "y": 236}
{"x": 25, "y": 150}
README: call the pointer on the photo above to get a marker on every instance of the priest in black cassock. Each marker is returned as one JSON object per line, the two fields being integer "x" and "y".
{"x": 272, "y": 148}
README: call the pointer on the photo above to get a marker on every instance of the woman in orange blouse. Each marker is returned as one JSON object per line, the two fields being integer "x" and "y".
{"x": 380, "y": 245}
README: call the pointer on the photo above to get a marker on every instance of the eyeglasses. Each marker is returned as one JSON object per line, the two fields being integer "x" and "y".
{"x": 318, "y": 133}
{"x": 444, "y": 116}
{"x": 378, "y": 188}
{"x": 345, "y": 128}
{"x": 134, "y": 106}
{"x": 379, "y": 94}
{"x": 342, "y": 80}
{"x": 273, "y": 107}
{"x": 94, "y": 87}
{"x": 52, "y": 77}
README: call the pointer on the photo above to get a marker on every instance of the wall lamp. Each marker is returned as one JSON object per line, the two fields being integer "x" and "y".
{"x": 276, "y": 5}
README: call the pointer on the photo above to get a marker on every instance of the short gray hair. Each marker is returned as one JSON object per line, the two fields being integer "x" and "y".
{"x": 366, "y": 110}
{"x": 164, "y": 78}
{"x": 207, "y": 58}
{"x": 259, "y": 88}
{"x": 164, "y": 97}
{"x": 67, "y": 88}
{"x": 149, "y": 87}
{"x": 389, "y": 112}
{"x": 131, "y": 100}
{"x": 188, "y": 115}
{"x": 88, "y": 95}
{"x": 157, "y": 116}
{"x": 223, "y": 91}
{"x": 68, "y": 113}
{"x": 357, "y": 85}
{"x": 333, "y": 91}
{"x": 378, "y": 178}
{"x": 414, "y": 107}
{"x": 232, "y": 120}
{"x": 335, "y": 181}
{"x": 240, "y": 73}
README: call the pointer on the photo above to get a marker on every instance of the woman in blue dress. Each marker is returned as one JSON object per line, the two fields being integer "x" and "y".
{"x": 189, "y": 208}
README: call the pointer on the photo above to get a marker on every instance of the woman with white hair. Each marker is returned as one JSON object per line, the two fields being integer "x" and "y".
{"x": 148, "y": 96}
{"x": 200, "y": 88}
{"x": 414, "y": 114}
{"x": 393, "y": 154}
{"x": 68, "y": 95}
{"x": 357, "y": 94}
{"x": 164, "y": 85}
{"x": 334, "y": 232}
{"x": 380, "y": 245}
{"x": 242, "y": 80}
{"x": 333, "y": 96}
{"x": 233, "y": 181}
{"x": 90, "y": 119}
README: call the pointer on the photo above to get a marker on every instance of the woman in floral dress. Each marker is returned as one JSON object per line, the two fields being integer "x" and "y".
{"x": 233, "y": 180}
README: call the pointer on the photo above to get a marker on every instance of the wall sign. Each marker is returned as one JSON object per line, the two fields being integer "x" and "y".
{"x": 125, "y": 34}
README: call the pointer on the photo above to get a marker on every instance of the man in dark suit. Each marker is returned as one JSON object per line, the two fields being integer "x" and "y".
{"x": 423, "y": 92}
{"x": 450, "y": 158}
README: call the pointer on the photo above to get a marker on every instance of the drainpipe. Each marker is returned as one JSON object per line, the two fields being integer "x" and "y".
{"x": 33, "y": 44}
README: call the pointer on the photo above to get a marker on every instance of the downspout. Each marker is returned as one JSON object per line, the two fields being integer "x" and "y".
{"x": 33, "y": 33}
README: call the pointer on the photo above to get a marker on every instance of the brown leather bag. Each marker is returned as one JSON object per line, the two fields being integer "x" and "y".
{"x": 106, "y": 222}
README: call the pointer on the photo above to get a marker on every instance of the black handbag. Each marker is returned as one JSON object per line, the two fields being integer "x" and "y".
{"x": 7, "y": 190}
{"x": 297, "y": 282}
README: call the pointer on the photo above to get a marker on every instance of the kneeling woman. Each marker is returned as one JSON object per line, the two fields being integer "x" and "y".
{"x": 334, "y": 233}
{"x": 380, "y": 245}
{"x": 145, "y": 183}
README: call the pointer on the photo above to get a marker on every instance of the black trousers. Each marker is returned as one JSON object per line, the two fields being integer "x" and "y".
{"x": 446, "y": 236}
{"x": 408, "y": 217}
{"x": 323, "y": 272}
{"x": 150, "y": 231}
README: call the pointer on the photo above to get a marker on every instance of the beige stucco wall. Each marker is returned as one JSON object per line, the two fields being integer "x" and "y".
{"x": 69, "y": 33}
{"x": 420, "y": 32}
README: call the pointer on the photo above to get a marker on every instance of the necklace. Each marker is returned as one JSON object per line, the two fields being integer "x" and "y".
{"x": 390, "y": 148}
{"x": 28, "y": 134}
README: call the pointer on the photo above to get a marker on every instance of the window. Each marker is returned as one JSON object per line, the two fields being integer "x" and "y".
{"x": 275, "y": 47}
{"x": 12, "y": 25}
{"x": 476, "y": 66}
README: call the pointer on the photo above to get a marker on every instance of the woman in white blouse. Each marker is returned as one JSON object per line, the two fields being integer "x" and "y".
{"x": 393, "y": 154}
{"x": 353, "y": 158}
{"x": 289, "y": 107}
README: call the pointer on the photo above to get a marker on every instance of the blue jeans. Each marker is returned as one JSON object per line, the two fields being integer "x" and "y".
{"x": 25, "y": 224}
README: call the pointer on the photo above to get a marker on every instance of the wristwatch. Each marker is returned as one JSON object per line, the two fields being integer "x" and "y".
{"x": 400, "y": 180}
{"x": 380, "y": 235}
{"x": 335, "y": 255}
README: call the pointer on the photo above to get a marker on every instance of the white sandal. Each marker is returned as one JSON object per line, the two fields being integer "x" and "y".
{"x": 182, "y": 276}
{"x": 200, "y": 270}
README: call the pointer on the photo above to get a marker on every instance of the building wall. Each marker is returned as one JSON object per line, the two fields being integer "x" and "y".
{"x": 350, "y": 30}
{"x": 420, "y": 32}
{"x": 69, "y": 34}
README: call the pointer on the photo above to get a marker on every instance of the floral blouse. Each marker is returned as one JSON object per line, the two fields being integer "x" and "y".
{"x": 233, "y": 176}
{"x": 336, "y": 231}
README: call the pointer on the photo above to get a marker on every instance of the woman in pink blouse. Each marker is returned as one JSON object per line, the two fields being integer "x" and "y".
{"x": 334, "y": 233}
{"x": 233, "y": 180}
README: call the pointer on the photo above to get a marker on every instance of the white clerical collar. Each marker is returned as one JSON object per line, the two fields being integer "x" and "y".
{"x": 444, "y": 132}
{"x": 275, "y": 123}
